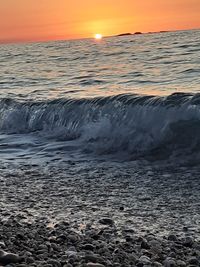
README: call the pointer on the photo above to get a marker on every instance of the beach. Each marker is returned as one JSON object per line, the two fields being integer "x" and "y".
{"x": 100, "y": 215}
{"x": 99, "y": 152}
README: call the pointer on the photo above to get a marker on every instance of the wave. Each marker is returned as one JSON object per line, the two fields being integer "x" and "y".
{"x": 134, "y": 124}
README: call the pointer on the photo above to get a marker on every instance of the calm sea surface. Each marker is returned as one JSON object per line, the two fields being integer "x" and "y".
{"x": 158, "y": 64}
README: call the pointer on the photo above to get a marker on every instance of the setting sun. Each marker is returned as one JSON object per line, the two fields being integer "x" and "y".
{"x": 98, "y": 36}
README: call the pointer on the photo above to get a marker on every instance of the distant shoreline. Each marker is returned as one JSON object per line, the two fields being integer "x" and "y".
{"x": 18, "y": 42}
{"x": 138, "y": 33}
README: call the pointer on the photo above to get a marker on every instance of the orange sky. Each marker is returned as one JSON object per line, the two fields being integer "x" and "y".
{"x": 32, "y": 20}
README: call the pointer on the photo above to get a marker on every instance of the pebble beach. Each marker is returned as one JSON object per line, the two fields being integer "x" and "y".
{"x": 97, "y": 215}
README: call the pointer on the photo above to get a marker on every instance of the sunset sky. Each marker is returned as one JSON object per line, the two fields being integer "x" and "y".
{"x": 33, "y": 20}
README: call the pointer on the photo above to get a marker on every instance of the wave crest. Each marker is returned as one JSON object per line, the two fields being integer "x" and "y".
{"x": 128, "y": 123}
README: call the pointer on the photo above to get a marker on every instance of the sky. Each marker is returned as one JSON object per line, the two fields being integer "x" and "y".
{"x": 41, "y": 20}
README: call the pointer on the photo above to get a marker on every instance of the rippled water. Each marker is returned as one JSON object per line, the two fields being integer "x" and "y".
{"x": 85, "y": 98}
{"x": 158, "y": 64}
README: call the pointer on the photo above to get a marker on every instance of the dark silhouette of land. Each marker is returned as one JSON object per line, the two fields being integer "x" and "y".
{"x": 124, "y": 34}
{"x": 136, "y": 33}
{"x": 128, "y": 33}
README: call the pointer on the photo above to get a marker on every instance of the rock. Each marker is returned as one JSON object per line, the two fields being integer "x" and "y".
{"x": 172, "y": 237}
{"x": 30, "y": 260}
{"x": 185, "y": 228}
{"x": 68, "y": 265}
{"x": 73, "y": 238}
{"x": 150, "y": 173}
{"x": 106, "y": 221}
{"x": 129, "y": 238}
{"x": 54, "y": 246}
{"x": 7, "y": 258}
{"x": 181, "y": 263}
{"x": 169, "y": 263}
{"x": 94, "y": 258}
{"x": 172, "y": 255}
{"x": 71, "y": 253}
{"x": 91, "y": 264}
{"x": 88, "y": 247}
{"x": 194, "y": 261}
{"x": 145, "y": 260}
{"x": 188, "y": 242}
{"x": 144, "y": 244}
{"x": 129, "y": 230}
{"x": 155, "y": 247}
{"x": 62, "y": 238}
{"x": 2, "y": 245}
{"x": 133, "y": 258}
{"x": 54, "y": 263}
{"x": 103, "y": 251}
{"x": 72, "y": 248}
{"x": 157, "y": 264}
{"x": 41, "y": 252}
{"x": 27, "y": 254}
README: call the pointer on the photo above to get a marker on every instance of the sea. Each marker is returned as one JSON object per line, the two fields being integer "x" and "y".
{"x": 124, "y": 99}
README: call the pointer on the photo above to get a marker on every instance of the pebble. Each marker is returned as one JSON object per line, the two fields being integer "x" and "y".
{"x": 188, "y": 242}
{"x": 54, "y": 263}
{"x": 73, "y": 238}
{"x": 169, "y": 263}
{"x": 30, "y": 260}
{"x": 145, "y": 260}
{"x": 44, "y": 247}
{"x": 157, "y": 264}
{"x": 67, "y": 265}
{"x": 71, "y": 253}
{"x": 93, "y": 258}
{"x": 185, "y": 228}
{"x": 91, "y": 264}
{"x": 144, "y": 244}
{"x": 181, "y": 263}
{"x": 172, "y": 237}
{"x": 2, "y": 245}
{"x": 88, "y": 247}
{"x": 55, "y": 246}
{"x": 106, "y": 221}
{"x": 194, "y": 261}
{"x": 7, "y": 258}
{"x": 155, "y": 247}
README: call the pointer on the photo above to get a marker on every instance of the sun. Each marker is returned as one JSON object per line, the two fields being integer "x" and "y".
{"x": 98, "y": 36}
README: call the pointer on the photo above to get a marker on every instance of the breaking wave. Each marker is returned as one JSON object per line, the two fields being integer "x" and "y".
{"x": 134, "y": 124}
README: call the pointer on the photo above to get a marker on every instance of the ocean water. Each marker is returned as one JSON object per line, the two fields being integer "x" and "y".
{"x": 125, "y": 98}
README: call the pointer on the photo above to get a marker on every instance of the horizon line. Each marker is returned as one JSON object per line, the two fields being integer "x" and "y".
{"x": 21, "y": 41}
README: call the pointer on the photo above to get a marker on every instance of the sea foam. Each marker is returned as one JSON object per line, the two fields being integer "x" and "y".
{"x": 134, "y": 124}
